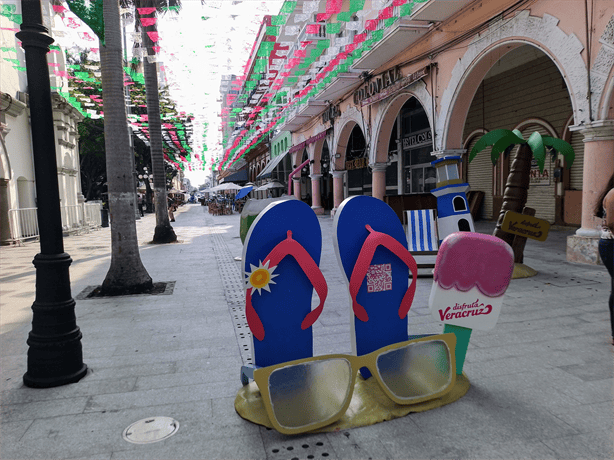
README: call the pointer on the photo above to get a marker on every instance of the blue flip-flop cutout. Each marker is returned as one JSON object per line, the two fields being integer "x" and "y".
{"x": 283, "y": 309}
{"x": 384, "y": 326}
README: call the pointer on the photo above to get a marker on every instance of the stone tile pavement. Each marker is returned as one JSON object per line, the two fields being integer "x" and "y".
{"x": 541, "y": 381}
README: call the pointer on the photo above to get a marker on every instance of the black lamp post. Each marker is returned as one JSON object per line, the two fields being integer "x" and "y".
{"x": 54, "y": 356}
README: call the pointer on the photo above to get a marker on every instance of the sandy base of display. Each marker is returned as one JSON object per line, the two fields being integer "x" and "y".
{"x": 369, "y": 405}
{"x": 523, "y": 271}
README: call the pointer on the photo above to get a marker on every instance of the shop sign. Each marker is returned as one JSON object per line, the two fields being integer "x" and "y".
{"x": 391, "y": 88}
{"x": 527, "y": 226}
{"x": 417, "y": 139}
{"x": 331, "y": 113}
{"x": 377, "y": 85}
{"x": 539, "y": 178}
{"x": 311, "y": 140}
{"x": 358, "y": 163}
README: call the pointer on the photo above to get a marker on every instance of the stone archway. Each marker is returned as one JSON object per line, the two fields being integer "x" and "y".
{"x": 348, "y": 120}
{"x": 602, "y": 76}
{"x": 386, "y": 117}
{"x": 501, "y": 38}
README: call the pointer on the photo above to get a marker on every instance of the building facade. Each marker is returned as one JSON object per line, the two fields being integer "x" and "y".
{"x": 18, "y": 219}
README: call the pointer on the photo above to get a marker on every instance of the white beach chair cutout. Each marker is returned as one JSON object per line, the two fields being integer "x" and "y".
{"x": 422, "y": 236}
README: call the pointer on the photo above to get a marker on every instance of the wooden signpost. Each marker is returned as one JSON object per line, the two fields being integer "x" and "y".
{"x": 525, "y": 225}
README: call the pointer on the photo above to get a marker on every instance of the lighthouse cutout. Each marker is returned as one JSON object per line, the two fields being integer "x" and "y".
{"x": 452, "y": 207}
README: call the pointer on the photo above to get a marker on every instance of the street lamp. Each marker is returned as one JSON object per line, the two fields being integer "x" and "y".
{"x": 55, "y": 355}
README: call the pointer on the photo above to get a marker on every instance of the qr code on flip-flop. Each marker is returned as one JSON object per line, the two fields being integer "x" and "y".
{"x": 379, "y": 278}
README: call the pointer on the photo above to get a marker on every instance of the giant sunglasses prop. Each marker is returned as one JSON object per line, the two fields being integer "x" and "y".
{"x": 310, "y": 393}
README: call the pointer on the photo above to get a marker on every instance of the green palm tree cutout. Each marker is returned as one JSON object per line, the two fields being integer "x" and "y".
{"x": 517, "y": 186}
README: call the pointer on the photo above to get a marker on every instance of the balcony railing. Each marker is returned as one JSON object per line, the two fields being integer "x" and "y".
{"x": 312, "y": 31}
{"x": 24, "y": 222}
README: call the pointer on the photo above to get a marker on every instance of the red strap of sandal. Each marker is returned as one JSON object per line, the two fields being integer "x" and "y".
{"x": 361, "y": 268}
{"x": 310, "y": 268}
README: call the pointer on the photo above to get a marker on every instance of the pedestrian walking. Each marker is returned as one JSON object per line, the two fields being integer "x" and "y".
{"x": 140, "y": 203}
{"x": 171, "y": 209}
{"x": 605, "y": 210}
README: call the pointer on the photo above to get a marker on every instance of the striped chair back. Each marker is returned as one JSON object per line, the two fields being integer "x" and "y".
{"x": 422, "y": 236}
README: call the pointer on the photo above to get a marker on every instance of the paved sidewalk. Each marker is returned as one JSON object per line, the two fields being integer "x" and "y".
{"x": 541, "y": 381}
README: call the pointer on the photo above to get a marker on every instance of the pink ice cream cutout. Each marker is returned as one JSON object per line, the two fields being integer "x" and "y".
{"x": 472, "y": 272}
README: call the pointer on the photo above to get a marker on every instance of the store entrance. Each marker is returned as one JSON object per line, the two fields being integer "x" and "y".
{"x": 326, "y": 182}
{"x": 416, "y": 142}
{"x": 356, "y": 162}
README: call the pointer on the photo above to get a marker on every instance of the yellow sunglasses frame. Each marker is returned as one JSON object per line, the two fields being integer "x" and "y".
{"x": 261, "y": 377}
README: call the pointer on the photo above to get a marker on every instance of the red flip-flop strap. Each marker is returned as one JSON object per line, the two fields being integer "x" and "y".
{"x": 253, "y": 320}
{"x": 361, "y": 267}
{"x": 402, "y": 253}
{"x": 309, "y": 267}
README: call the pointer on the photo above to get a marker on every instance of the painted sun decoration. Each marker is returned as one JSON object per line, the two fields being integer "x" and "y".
{"x": 261, "y": 277}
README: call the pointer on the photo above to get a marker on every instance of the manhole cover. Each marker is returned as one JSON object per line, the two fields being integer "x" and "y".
{"x": 151, "y": 429}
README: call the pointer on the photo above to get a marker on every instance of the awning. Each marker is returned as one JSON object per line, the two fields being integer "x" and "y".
{"x": 239, "y": 176}
{"x": 268, "y": 169}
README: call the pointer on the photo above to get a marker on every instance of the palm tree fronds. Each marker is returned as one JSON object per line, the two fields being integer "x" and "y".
{"x": 509, "y": 139}
{"x": 536, "y": 142}
{"x": 90, "y": 13}
{"x": 495, "y": 137}
{"x": 562, "y": 147}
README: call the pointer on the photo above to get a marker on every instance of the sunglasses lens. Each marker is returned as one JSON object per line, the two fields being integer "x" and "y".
{"x": 309, "y": 393}
{"x": 417, "y": 370}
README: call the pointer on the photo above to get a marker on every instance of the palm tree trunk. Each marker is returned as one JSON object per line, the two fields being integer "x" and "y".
{"x": 127, "y": 275}
{"x": 516, "y": 189}
{"x": 164, "y": 232}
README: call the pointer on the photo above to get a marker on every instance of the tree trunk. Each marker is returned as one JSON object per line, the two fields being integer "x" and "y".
{"x": 516, "y": 190}
{"x": 127, "y": 275}
{"x": 164, "y": 232}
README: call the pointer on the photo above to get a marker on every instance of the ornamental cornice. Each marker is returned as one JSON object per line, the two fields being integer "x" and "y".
{"x": 600, "y": 130}
{"x": 62, "y": 105}
{"x": 378, "y": 166}
{"x": 10, "y": 105}
{"x": 64, "y": 143}
{"x": 4, "y": 129}
{"x": 67, "y": 171}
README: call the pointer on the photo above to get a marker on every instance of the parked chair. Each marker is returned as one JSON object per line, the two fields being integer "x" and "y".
{"x": 422, "y": 237}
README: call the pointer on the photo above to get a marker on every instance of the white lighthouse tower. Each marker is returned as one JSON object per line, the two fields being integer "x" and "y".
{"x": 452, "y": 207}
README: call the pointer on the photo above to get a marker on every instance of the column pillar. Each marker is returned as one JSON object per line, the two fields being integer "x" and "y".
{"x": 338, "y": 192}
{"x": 296, "y": 184}
{"x": 597, "y": 169}
{"x": 316, "y": 196}
{"x": 5, "y": 229}
{"x": 379, "y": 180}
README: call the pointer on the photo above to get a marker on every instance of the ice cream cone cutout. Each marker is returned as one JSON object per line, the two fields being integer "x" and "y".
{"x": 471, "y": 275}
